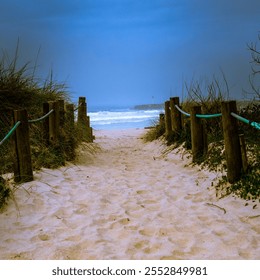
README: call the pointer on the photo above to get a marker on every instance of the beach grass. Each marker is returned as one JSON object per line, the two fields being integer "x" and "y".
{"x": 209, "y": 96}
{"x": 20, "y": 88}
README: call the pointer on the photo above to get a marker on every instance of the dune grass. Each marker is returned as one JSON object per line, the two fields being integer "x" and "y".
{"x": 21, "y": 89}
{"x": 209, "y": 98}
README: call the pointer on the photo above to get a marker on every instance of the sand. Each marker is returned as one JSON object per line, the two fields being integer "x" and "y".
{"x": 126, "y": 199}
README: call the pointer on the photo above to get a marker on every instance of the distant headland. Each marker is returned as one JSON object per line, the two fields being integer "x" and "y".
{"x": 149, "y": 107}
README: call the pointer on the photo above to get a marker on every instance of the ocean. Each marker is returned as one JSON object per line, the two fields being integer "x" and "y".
{"x": 120, "y": 118}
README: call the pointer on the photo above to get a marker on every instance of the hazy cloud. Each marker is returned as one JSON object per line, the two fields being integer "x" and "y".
{"x": 132, "y": 48}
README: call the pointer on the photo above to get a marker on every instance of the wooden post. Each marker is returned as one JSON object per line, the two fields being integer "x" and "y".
{"x": 71, "y": 142}
{"x": 61, "y": 112}
{"x": 54, "y": 121}
{"x": 175, "y": 116}
{"x": 205, "y": 137}
{"x": 89, "y": 130}
{"x": 231, "y": 140}
{"x": 243, "y": 152}
{"x": 168, "y": 126}
{"x": 82, "y": 111}
{"x": 88, "y": 121}
{"x": 197, "y": 134}
{"x": 45, "y": 124}
{"x": 161, "y": 120}
{"x": 70, "y": 115}
{"x": 22, "y": 161}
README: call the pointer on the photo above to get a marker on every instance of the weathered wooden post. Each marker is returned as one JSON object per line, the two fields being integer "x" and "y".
{"x": 167, "y": 118}
{"x": 61, "y": 112}
{"x": 175, "y": 116}
{"x": 197, "y": 134}
{"x": 84, "y": 121}
{"x": 243, "y": 152}
{"x": 71, "y": 141}
{"x": 46, "y": 124}
{"x": 89, "y": 130}
{"x": 54, "y": 121}
{"x": 82, "y": 118}
{"x": 70, "y": 116}
{"x": 231, "y": 140}
{"x": 82, "y": 111}
{"x": 22, "y": 151}
{"x": 205, "y": 137}
{"x": 161, "y": 120}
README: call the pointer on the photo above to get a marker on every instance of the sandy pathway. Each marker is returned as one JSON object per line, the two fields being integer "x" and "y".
{"x": 128, "y": 200}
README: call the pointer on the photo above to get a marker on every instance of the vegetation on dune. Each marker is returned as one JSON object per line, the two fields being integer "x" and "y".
{"x": 248, "y": 185}
{"x": 209, "y": 96}
{"x": 21, "y": 89}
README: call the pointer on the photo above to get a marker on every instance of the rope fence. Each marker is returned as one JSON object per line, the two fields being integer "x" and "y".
{"x": 244, "y": 120}
{"x": 183, "y": 112}
{"x": 234, "y": 142}
{"x": 12, "y": 130}
{"x": 52, "y": 132}
{"x": 209, "y": 116}
{"x": 41, "y": 118}
{"x": 8, "y": 135}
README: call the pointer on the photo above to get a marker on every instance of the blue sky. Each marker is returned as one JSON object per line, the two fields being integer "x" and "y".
{"x": 127, "y": 52}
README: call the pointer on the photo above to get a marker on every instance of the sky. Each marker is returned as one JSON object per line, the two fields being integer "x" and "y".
{"x": 129, "y": 52}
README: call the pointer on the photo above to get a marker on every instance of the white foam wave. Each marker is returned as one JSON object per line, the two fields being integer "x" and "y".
{"x": 122, "y": 116}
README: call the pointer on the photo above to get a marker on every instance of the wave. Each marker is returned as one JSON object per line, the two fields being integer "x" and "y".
{"x": 123, "y": 116}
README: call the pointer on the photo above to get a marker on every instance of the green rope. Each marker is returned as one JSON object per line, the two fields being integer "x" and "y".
{"x": 208, "y": 116}
{"x": 199, "y": 115}
{"x": 18, "y": 123}
{"x": 10, "y": 132}
{"x": 41, "y": 118}
{"x": 254, "y": 124}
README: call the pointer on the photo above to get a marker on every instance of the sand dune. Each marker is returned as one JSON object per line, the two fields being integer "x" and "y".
{"x": 124, "y": 199}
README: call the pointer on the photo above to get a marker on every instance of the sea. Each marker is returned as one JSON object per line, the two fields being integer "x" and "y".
{"x": 114, "y": 117}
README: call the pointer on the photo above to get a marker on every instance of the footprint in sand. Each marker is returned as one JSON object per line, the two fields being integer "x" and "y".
{"x": 165, "y": 231}
{"x": 44, "y": 237}
{"x": 147, "y": 232}
{"x": 152, "y": 249}
{"x": 124, "y": 221}
{"x": 150, "y": 204}
{"x": 74, "y": 238}
{"x": 141, "y": 244}
{"x": 82, "y": 209}
{"x": 20, "y": 256}
{"x": 141, "y": 191}
{"x": 118, "y": 223}
{"x": 194, "y": 197}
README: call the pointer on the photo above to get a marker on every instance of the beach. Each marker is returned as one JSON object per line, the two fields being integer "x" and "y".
{"x": 126, "y": 199}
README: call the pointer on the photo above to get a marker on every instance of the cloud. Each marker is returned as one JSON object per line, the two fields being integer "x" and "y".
{"x": 146, "y": 44}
